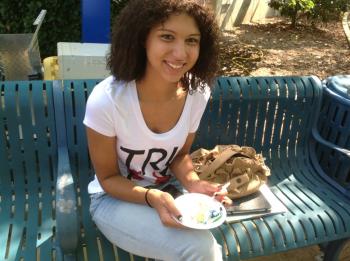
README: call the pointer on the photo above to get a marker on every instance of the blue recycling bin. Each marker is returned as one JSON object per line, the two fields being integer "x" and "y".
{"x": 334, "y": 126}
{"x": 334, "y": 119}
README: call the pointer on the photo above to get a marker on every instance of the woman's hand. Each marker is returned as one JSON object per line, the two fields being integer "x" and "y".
{"x": 210, "y": 189}
{"x": 164, "y": 203}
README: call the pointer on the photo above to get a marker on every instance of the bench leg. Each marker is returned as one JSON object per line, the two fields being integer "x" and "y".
{"x": 333, "y": 250}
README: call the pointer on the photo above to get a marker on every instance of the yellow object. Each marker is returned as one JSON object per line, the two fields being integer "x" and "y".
{"x": 50, "y": 68}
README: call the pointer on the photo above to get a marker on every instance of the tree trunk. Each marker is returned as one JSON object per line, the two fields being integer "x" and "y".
{"x": 294, "y": 16}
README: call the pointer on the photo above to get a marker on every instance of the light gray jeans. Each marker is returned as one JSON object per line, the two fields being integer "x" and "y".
{"x": 137, "y": 229}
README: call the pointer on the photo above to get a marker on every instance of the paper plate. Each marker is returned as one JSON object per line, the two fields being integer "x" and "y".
{"x": 200, "y": 211}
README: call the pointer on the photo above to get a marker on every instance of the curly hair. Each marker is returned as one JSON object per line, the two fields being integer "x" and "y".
{"x": 127, "y": 58}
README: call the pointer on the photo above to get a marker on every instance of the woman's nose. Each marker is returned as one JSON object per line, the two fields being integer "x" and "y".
{"x": 179, "y": 51}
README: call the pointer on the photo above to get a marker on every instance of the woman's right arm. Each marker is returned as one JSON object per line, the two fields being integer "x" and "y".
{"x": 104, "y": 158}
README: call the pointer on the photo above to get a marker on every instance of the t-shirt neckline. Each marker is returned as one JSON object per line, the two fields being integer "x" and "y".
{"x": 135, "y": 103}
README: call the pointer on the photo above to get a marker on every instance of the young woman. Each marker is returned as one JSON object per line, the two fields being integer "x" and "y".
{"x": 141, "y": 123}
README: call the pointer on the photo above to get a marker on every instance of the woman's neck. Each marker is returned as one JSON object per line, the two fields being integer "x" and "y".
{"x": 154, "y": 90}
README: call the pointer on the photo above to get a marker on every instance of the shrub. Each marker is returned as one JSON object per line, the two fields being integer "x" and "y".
{"x": 327, "y": 10}
{"x": 316, "y": 10}
{"x": 61, "y": 23}
{"x": 292, "y": 8}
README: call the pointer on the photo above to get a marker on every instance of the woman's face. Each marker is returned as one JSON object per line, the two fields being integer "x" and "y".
{"x": 172, "y": 48}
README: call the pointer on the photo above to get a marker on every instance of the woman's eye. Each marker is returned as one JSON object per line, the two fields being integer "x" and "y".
{"x": 193, "y": 41}
{"x": 167, "y": 37}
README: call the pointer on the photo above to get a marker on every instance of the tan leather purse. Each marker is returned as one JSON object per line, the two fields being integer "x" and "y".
{"x": 242, "y": 166}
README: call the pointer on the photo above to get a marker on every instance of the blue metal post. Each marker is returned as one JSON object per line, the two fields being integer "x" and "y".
{"x": 96, "y": 21}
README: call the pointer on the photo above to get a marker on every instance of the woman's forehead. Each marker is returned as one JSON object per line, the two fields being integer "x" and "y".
{"x": 179, "y": 22}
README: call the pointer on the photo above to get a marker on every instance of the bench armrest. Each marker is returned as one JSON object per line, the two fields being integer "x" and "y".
{"x": 66, "y": 199}
{"x": 66, "y": 205}
{"x": 336, "y": 157}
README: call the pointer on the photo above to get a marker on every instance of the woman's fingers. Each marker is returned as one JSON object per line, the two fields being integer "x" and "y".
{"x": 166, "y": 208}
{"x": 170, "y": 220}
{"x": 222, "y": 197}
{"x": 226, "y": 201}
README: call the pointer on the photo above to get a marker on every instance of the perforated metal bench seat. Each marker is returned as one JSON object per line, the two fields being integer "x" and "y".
{"x": 316, "y": 213}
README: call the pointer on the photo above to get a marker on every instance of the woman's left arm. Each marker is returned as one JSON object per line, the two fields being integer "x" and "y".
{"x": 183, "y": 170}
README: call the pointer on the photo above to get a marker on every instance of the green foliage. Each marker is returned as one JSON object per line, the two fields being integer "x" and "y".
{"x": 62, "y": 22}
{"x": 327, "y": 10}
{"x": 323, "y": 10}
{"x": 292, "y": 8}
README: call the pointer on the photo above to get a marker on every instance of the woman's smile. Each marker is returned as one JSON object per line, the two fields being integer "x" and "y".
{"x": 175, "y": 65}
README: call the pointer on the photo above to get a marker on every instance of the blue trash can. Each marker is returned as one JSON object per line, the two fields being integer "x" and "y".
{"x": 334, "y": 119}
{"x": 340, "y": 85}
{"x": 334, "y": 126}
{"x": 334, "y": 164}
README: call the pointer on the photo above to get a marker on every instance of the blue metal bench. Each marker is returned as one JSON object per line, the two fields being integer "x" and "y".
{"x": 276, "y": 115}
{"x": 28, "y": 167}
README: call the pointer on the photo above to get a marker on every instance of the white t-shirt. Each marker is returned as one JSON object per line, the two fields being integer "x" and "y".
{"x": 144, "y": 157}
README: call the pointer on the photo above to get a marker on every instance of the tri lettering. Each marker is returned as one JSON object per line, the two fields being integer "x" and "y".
{"x": 154, "y": 158}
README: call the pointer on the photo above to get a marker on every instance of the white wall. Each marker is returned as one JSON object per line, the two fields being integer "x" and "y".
{"x": 234, "y": 12}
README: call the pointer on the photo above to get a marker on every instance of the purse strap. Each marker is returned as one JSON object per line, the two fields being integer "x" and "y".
{"x": 219, "y": 160}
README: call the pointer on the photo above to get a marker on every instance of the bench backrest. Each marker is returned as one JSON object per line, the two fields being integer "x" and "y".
{"x": 272, "y": 114}
{"x": 268, "y": 113}
{"x": 28, "y": 158}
